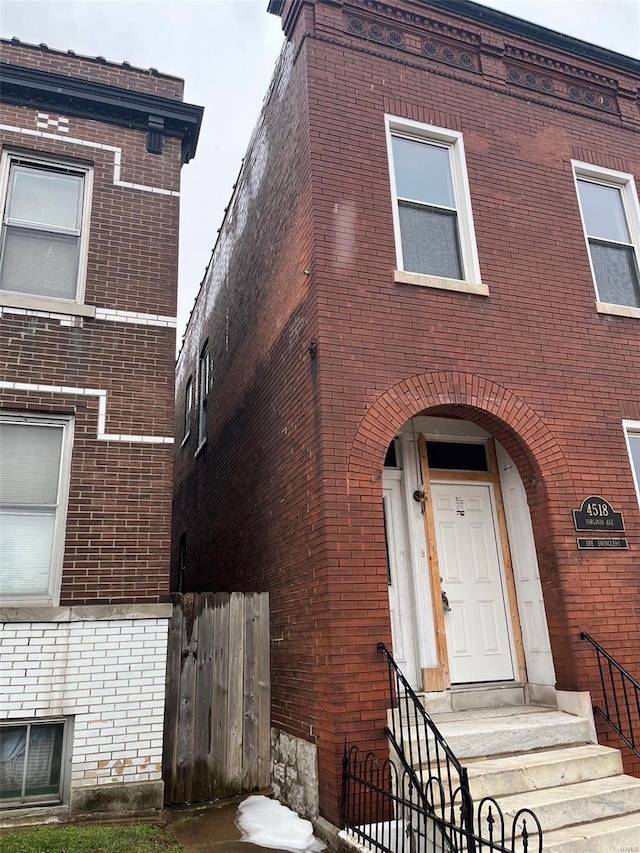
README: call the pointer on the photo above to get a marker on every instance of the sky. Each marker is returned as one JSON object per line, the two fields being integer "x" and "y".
{"x": 226, "y": 51}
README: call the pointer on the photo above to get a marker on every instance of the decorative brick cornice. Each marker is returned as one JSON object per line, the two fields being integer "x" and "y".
{"x": 71, "y": 96}
{"x": 415, "y": 35}
{"x": 399, "y": 31}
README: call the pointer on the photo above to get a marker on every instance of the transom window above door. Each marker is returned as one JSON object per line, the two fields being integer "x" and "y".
{"x": 457, "y": 456}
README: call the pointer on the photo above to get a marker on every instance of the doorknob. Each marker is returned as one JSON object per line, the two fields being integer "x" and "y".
{"x": 445, "y": 602}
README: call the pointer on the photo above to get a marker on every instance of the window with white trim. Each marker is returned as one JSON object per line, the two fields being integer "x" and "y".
{"x": 45, "y": 221}
{"x": 204, "y": 386}
{"x": 33, "y": 762}
{"x": 632, "y": 435}
{"x": 611, "y": 222}
{"x": 35, "y": 455}
{"x": 433, "y": 221}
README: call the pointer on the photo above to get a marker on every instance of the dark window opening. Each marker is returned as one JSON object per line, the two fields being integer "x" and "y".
{"x": 454, "y": 456}
{"x": 391, "y": 459}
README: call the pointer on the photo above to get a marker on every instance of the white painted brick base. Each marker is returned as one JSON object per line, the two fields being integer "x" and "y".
{"x": 107, "y": 674}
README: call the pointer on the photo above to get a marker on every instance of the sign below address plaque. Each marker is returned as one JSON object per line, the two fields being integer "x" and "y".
{"x": 597, "y": 515}
{"x": 592, "y": 544}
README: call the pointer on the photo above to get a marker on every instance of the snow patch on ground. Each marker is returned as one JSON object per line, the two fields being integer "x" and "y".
{"x": 268, "y": 823}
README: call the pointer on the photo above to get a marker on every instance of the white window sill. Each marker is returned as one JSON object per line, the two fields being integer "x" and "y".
{"x": 28, "y": 302}
{"x": 422, "y": 280}
{"x": 619, "y": 310}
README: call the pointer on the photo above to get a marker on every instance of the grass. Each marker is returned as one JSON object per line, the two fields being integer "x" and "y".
{"x": 90, "y": 839}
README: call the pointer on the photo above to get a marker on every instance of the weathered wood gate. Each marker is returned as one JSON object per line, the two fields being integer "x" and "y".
{"x": 217, "y": 716}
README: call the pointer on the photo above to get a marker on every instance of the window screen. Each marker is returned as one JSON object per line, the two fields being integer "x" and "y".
{"x": 613, "y": 256}
{"x": 41, "y": 231}
{"x": 426, "y": 208}
{"x": 30, "y": 459}
{"x": 31, "y": 763}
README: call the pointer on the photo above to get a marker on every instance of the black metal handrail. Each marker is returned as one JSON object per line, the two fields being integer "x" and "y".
{"x": 382, "y": 812}
{"x": 420, "y": 800}
{"x": 445, "y": 781}
{"x": 620, "y": 695}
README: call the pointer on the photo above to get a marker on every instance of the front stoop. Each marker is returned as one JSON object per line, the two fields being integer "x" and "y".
{"x": 527, "y": 756}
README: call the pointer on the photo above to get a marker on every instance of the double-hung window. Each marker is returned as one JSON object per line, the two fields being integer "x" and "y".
{"x": 44, "y": 228}
{"x": 632, "y": 434}
{"x": 204, "y": 386}
{"x": 611, "y": 221}
{"x": 435, "y": 242}
{"x": 34, "y": 481}
{"x": 188, "y": 409}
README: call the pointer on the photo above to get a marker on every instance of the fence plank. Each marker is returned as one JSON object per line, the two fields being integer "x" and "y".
{"x": 203, "y": 696}
{"x": 264, "y": 692}
{"x": 184, "y": 762}
{"x": 250, "y": 688}
{"x": 235, "y": 696}
{"x": 171, "y": 712}
{"x": 219, "y": 699}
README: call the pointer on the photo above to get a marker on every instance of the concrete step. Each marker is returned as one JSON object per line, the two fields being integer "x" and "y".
{"x": 603, "y": 836}
{"x": 465, "y": 698}
{"x": 515, "y": 774}
{"x": 582, "y": 803}
{"x": 471, "y": 734}
{"x": 540, "y": 759}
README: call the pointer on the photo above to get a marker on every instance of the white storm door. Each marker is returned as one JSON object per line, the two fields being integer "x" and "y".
{"x": 469, "y": 562}
{"x": 400, "y": 598}
{"x": 533, "y": 619}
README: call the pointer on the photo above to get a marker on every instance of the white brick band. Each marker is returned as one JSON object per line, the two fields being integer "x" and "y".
{"x": 117, "y": 157}
{"x": 101, "y": 394}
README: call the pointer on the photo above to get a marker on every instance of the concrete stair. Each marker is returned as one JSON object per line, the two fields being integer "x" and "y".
{"x": 527, "y": 756}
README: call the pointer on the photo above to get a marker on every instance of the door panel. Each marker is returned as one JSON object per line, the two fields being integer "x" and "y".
{"x": 400, "y": 596}
{"x": 468, "y": 553}
{"x": 535, "y": 634}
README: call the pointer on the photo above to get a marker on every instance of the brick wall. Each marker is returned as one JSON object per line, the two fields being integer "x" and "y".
{"x": 97, "y": 69}
{"x": 288, "y": 496}
{"x": 106, "y": 362}
{"x": 107, "y": 677}
{"x": 117, "y": 538}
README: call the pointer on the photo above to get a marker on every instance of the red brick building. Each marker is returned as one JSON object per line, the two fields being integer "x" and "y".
{"x": 421, "y": 317}
{"x": 91, "y": 153}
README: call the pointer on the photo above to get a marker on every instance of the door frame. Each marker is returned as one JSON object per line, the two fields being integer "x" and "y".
{"x": 439, "y": 678}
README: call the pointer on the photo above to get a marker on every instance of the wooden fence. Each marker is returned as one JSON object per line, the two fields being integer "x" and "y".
{"x": 217, "y": 717}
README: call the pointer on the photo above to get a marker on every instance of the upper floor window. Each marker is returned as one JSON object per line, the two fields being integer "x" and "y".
{"x": 611, "y": 221}
{"x": 632, "y": 433}
{"x": 432, "y": 208}
{"x": 45, "y": 209}
{"x": 188, "y": 408}
{"x": 204, "y": 386}
{"x": 34, "y": 483}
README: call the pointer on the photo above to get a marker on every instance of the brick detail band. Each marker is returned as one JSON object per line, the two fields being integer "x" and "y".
{"x": 117, "y": 157}
{"x": 101, "y": 394}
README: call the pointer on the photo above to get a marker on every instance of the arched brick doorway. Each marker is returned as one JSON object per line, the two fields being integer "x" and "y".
{"x": 527, "y": 440}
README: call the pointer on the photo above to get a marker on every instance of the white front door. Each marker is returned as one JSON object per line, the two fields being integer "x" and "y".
{"x": 400, "y": 596}
{"x": 470, "y": 565}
